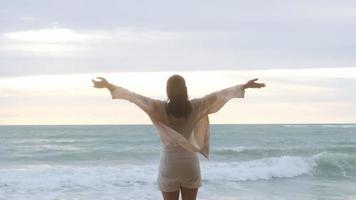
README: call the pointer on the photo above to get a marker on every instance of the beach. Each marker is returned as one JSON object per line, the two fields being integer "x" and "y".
{"x": 247, "y": 162}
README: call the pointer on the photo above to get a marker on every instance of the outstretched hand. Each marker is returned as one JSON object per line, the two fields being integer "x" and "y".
{"x": 103, "y": 83}
{"x": 253, "y": 84}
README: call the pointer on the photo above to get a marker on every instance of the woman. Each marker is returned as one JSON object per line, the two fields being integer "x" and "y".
{"x": 183, "y": 126}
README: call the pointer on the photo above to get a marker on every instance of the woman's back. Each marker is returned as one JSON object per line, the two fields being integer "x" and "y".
{"x": 183, "y": 125}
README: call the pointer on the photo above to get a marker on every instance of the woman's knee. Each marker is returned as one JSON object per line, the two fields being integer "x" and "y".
{"x": 189, "y": 193}
{"x": 171, "y": 195}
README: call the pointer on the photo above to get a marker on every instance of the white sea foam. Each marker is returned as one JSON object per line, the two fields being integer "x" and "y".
{"x": 262, "y": 169}
{"x": 129, "y": 181}
{"x": 296, "y": 125}
{"x": 319, "y": 125}
{"x": 70, "y": 182}
{"x": 235, "y": 149}
{"x": 55, "y": 181}
{"x": 337, "y": 125}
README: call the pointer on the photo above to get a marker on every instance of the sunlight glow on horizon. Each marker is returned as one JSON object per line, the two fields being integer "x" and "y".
{"x": 291, "y": 96}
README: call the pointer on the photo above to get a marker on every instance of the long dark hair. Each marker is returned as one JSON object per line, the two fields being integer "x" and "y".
{"x": 178, "y": 104}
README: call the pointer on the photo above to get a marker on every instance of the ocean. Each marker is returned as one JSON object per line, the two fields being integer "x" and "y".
{"x": 247, "y": 162}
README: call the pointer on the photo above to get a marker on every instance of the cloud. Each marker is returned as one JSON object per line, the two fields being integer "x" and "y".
{"x": 60, "y": 40}
{"x": 46, "y": 41}
{"x": 55, "y": 35}
{"x": 27, "y": 18}
{"x": 65, "y": 35}
{"x": 115, "y": 36}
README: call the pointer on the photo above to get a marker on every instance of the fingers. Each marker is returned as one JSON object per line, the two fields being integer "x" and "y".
{"x": 253, "y": 84}
{"x": 260, "y": 85}
{"x": 255, "y": 79}
{"x": 101, "y": 78}
{"x": 94, "y": 82}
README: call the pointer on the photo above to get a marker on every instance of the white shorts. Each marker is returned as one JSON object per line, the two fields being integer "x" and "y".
{"x": 178, "y": 168}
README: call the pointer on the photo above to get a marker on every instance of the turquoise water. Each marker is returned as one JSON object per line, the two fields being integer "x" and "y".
{"x": 121, "y": 162}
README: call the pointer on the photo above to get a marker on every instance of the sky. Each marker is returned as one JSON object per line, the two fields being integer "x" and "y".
{"x": 303, "y": 50}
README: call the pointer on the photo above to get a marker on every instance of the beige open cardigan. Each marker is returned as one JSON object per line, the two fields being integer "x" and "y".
{"x": 198, "y": 140}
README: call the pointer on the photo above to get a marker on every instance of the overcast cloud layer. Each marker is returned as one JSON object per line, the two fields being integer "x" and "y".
{"x": 51, "y": 37}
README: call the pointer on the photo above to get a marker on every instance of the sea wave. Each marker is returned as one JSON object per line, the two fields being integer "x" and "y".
{"x": 335, "y": 165}
{"x": 78, "y": 182}
{"x": 321, "y": 164}
{"x": 289, "y": 150}
{"x": 261, "y": 169}
{"x": 55, "y": 180}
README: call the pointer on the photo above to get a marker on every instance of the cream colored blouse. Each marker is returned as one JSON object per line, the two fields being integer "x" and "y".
{"x": 194, "y": 138}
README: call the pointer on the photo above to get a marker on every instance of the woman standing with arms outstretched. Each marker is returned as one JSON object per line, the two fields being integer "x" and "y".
{"x": 183, "y": 126}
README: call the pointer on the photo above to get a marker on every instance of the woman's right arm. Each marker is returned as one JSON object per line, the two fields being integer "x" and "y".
{"x": 145, "y": 103}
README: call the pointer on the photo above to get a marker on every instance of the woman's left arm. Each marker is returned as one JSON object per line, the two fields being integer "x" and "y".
{"x": 213, "y": 102}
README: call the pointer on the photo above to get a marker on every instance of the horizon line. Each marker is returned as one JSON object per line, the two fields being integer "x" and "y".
{"x": 153, "y": 125}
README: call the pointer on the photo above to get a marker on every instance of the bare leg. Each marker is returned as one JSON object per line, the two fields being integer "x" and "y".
{"x": 171, "y": 195}
{"x": 189, "y": 194}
